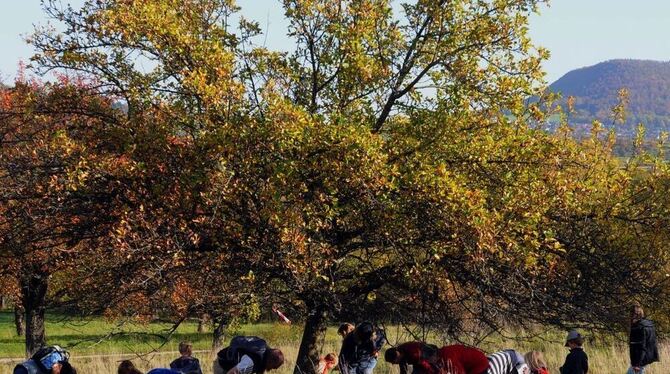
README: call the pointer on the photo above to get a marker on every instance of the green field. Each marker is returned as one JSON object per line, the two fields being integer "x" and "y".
{"x": 90, "y": 338}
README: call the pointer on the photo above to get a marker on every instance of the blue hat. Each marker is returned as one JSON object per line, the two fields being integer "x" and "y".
{"x": 572, "y": 335}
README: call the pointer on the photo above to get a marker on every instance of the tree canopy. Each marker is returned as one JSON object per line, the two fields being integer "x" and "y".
{"x": 391, "y": 158}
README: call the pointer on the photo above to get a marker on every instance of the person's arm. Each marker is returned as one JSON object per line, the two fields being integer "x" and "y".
{"x": 342, "y": 363}
{"x": 20, "y": 369}
{"x": 245, "y": 366}
{"x": 424, "y": 367}
{"x": 570, "y": 366}
{"x": 381, "y": 340}
{"x": 413, "y": 353}
{"x": 643, "y": 346}
{"x": 637, "y": 348}
{"x": 404, "y": 367}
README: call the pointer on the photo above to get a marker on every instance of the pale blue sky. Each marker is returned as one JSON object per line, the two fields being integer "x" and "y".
{"x": 577, "y": 32}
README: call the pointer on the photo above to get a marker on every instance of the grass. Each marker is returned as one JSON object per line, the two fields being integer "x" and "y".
{"x": 89, "y": 338}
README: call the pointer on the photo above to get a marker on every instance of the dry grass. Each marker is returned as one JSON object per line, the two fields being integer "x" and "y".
{"x": 604, "y": 359}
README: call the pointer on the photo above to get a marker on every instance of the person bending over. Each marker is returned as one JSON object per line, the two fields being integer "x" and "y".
{"x": 247, "y": 355}
{"x": 427, "y": 359}
{"x": 508, "y": 361}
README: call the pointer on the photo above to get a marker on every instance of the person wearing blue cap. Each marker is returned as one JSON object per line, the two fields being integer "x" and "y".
{"x": 577, "y": 361}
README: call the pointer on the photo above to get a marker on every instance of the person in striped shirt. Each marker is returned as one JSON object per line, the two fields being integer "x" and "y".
{"x": 508, "y": 361}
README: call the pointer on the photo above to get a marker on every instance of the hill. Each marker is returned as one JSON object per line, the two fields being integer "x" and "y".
{"x": 595, "y": 90}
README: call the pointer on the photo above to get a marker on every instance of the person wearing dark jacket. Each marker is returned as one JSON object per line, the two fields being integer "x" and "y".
{"x": 360, "y": 349}
{"x": 247, "y": 355}
{"x": 577, "y": 362}
{"x": 186, "y": 364}
{"x": 642, "y": 341}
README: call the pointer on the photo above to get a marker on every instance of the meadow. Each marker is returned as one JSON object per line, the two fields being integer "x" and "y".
{"x": 97, "y": 345}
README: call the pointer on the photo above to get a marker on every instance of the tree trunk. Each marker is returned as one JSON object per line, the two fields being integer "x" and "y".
{"x": 3, "y": 302}
{"x": 34, "y": 291}
{"x": 201, "y": 322}
{"x": 19, "y": 319}
{"x": 312, "y": 340}
{"x": 218, "y": 333}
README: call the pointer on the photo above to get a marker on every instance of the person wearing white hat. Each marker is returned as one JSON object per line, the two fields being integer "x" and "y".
{"x": 576, "y": 362}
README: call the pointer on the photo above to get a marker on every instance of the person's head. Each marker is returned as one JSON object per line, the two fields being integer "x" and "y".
{"x": 186, "y": 348}
{"x": 127, "y": 367}
{"x": 392, "y": 355}
{"x": 636, "y": 313}
{"x": 331, "y": 359}
{"x": 345, "y": 329}
{"x": 274, "y": 358}
{"x": 63, "y": 367}
{"x": 574, "y": 339}
{"x": 535, "y": 360}
{"x": 364, "y": 331}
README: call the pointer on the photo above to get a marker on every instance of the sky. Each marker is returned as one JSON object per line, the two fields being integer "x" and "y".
{"x": 578, "y": 33}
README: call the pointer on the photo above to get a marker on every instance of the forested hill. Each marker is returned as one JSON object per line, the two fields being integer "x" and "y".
{"x": 595, "y": 90}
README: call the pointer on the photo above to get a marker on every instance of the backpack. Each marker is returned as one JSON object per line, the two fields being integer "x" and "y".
{"x": 42, "y": 361}
{"x": 46, "y": 357}
{"x": 252, "y": 346}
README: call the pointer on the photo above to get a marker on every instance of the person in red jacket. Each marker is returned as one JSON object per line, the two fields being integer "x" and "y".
{"x": 463, "y": 360}
{"x": 426, "y": 359}
{"x": 420, "y": 355}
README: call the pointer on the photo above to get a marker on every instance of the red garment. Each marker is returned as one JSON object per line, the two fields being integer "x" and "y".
{"x": 414, "y": 353}
{"x": 464, "y": 360}
{"x": 325, "y": 365}
{"x": 540, "y": 371}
